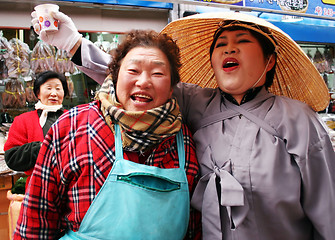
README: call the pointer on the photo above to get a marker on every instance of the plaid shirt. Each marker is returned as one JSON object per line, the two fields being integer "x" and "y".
{"x": 73, "y": 164}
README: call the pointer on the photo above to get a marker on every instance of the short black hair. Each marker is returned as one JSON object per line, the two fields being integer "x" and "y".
{"x": 45, "y": 76}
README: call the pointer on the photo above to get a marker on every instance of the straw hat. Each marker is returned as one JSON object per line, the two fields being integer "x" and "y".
{"x": 295, "y": 77}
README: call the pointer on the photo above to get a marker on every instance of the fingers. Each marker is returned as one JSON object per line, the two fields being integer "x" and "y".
{"x": 35, "y": 23}
{"x": 44, "y": 36}
{"x": 33, "y": 14}
{"x": 61, "y": 17}
{"x": 36, "y": 26}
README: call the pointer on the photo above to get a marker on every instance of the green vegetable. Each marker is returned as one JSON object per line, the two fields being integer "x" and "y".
{"x": 19, "y": 186}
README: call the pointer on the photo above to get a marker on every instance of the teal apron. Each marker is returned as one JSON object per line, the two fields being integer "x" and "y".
{"x": 138, "y": 201}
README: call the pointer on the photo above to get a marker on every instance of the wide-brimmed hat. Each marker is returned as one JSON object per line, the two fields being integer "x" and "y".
{"x": 295, "y": 77}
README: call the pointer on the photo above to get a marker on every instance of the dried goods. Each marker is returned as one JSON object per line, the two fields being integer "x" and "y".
{"x": 63, "y": 62}
{"x": 5, "y": 47}
{"x": 30, "y": 95}
{"x": 18, "y": 63}
{"x": 70, "y": 85}
{"x": 5, "y": 51}
{"x": 319, "y": 61}
{"x": 14, "y": 95}
{"x": 42, "y": 57}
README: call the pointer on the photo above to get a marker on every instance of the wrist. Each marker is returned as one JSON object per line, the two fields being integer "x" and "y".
{"x": 76, "y": 46}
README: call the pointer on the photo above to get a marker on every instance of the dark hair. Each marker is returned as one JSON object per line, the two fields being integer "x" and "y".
{"x": 267, "y": 46}
{"x": 147, "y": 38}
{"x": 45, "y": 76}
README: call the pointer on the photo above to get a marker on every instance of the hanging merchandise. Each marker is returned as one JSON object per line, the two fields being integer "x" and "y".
{"x": 42, "y": 58}
{"x": 14, "y": 95}
{"x": 5, "y": 51}
{"x": 309, "y": 55}
{"x": 103, "y": 45}
{"x": 18, "y": 63}
{"x": 115, "y": 42}
{"x": 29, "y": 91}
{"x": 329, "y": 59}
{"x": 70, "y": 85}
{"x": 63, "y": 62}
{"x": 320, "y": 62}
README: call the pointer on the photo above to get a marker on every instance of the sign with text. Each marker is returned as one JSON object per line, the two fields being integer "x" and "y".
{"x": 314, "y": 7}
{"x": 150, "y": 4}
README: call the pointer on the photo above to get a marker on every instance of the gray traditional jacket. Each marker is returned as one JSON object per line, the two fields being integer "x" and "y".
{"x": 267, "y": 166}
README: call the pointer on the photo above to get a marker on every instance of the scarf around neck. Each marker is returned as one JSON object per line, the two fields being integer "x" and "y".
{"x": 45, "y": 109}
{"x": 140, "y": 130}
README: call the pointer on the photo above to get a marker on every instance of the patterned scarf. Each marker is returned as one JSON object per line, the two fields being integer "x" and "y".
{"x": 140, "y": 130}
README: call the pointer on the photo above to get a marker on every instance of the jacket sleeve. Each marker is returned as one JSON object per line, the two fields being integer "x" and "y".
{"x": 312, "y": 150}
{"x": 318, "y": 195}
{"x": 22, "y": 158}
{"x": 94, "y": 62}
{"x": 17, "y": 134}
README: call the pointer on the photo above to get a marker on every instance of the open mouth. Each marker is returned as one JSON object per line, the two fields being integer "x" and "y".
{"x": 141, "y": 98}
{"x": 230, "y": 64}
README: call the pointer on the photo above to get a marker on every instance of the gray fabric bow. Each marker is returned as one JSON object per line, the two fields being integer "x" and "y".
{"x": 205, "y": 199}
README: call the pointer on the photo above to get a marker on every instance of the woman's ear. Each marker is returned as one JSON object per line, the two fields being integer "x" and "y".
{"x": 272, "y": 61}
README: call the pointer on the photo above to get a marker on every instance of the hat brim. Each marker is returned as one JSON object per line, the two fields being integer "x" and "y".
{"x": 296, "y": 76}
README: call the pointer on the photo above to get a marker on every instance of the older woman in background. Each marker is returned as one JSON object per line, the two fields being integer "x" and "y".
{"x": 28, "y": 130}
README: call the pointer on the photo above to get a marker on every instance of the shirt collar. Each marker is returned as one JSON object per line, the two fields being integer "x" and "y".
{"x": 250, "y": 94}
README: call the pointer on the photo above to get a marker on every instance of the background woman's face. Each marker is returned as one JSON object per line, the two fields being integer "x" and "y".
{"x": 238, "y": 62}
{"x": 144, "y": 80}
{"x": 51, "y": 92}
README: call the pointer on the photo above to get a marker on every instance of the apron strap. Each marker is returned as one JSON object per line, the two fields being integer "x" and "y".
{"x": 118, "y": 143}
{"x": 180, "y": 148}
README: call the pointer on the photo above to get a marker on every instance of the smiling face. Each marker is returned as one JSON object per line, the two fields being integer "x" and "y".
{"x": 238, "y": 62}
{"x": 144, "y": 79}
{"x": 51, "y": 92}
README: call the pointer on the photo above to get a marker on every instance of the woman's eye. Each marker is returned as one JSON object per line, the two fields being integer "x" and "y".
{"x": 132, "y": 70}
{"x": 244, "y": 41}
{"x": 221, "y": 44}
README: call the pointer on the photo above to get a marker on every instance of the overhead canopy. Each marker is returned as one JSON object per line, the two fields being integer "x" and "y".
{"x": 301, "y": 32}
{"x": 299, "y": 27}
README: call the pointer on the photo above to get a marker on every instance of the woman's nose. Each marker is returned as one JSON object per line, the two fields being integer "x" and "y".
{"x": 143, "y": 80}
{"x": 230, "y": 49}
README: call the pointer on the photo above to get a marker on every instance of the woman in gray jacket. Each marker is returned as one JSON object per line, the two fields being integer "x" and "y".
{"x": 267, "y": 163}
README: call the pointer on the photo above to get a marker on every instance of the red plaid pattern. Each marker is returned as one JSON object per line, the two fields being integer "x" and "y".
{"x": 74, "y": 161}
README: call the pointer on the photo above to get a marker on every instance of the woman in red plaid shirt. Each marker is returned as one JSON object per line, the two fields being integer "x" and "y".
{"x": 83, "y": 149}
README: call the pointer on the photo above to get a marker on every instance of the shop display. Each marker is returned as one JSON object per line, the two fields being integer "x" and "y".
{"x": 42, "y": 58}
{"x": 106, "y": 45}
{"x": 329, "y": 120}
{"x": 5, "y": 51}
{"x": 320, "y": 63}
{"x": 63, "y": 62}
{"x": 14, "y": 95}
{"x": 19, "y": 66}
{"x": 29, "y": 91}
{"x": 70, "y": 85}
{"x": 18, "y": 62}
